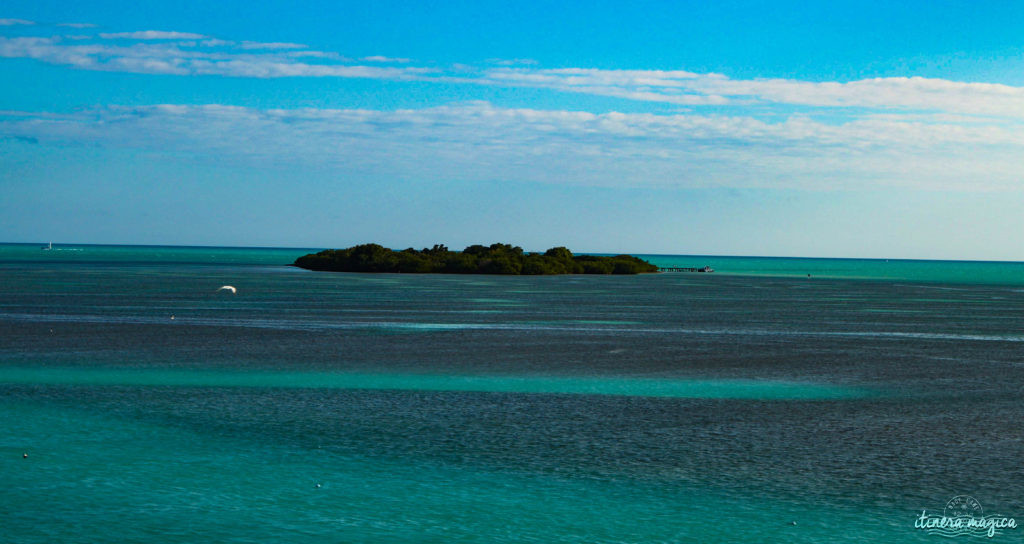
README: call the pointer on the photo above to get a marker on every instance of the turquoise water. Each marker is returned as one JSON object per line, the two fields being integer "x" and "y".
{"x": 160, "y": 255}
{"x": 972, "y": 272}
{"x": 696, "y": 389}
{"x": 318, "y": 407}
{"x": 991, "y": 272}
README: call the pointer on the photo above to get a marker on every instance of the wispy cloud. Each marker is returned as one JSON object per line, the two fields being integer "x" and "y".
{"x": 214, "y": 42}
{"x": 513, "y": 62}
{"x": 380, "y": 58}
{"x": 77, "y": 25}
{"x": 191, "y": 58}
{"x": 15, "y": 22}
{"x": 480, "y": 141}
{"x": 152, "y": 35}
{"x": 272, "y": 45}
{"x": 688, "y": 88}
{"x": 188, "y": 53}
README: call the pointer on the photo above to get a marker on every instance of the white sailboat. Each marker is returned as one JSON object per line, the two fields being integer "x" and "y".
{"x": 48, "y": 247}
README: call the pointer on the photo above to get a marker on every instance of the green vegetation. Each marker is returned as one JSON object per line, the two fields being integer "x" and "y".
{"x": 475, "y": 259}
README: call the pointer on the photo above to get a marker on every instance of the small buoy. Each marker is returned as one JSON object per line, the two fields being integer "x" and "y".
{"x": 24, "y": 456}
{"x": 172, "y": 316}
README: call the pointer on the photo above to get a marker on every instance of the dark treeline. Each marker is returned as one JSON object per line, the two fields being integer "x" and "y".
{"x": 475, "y": 259}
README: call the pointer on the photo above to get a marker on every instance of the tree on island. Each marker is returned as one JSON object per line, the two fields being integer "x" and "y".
{"x": 475, "y": 259}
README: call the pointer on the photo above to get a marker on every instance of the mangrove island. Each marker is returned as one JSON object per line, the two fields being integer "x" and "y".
{"x": 475, "y": 259}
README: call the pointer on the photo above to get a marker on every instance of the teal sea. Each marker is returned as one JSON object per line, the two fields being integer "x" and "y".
{"x": 775, "y": 400}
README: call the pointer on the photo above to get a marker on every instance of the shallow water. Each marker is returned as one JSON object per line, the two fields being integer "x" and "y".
{"x": 662, "y": 408}
{"x": 635, "y": 387}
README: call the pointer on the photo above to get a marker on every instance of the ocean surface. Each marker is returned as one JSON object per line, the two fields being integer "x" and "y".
{"x": 776, "y": 400}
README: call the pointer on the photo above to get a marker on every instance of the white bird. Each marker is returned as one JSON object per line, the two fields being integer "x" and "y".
{"x": 228, "y": 288}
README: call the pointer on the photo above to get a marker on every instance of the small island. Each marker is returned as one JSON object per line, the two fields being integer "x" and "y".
{"x": 475, "y": 259}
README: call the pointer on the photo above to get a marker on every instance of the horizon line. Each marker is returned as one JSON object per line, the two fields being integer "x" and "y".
{"x": 733, "y": 256}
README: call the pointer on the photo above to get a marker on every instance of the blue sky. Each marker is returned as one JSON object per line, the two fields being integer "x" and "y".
{"x": 859, "y": 129}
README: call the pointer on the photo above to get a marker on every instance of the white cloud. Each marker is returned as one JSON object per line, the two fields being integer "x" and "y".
{"x": 152, "y": 35}
{"x": 179, "y": 58}
{"x": 185, "y": 53}
{"x": 513, "y": 62}
{"x": 214, "y": 42}
{"x": 317, "y": 54}
{"x": 77, "y": 25}
{"x": 380, "y": 58}
{"x": 480, "y": 141}
{"x": 271, "y": 45}
{"x": 265, "y": 68}
{"x": 15, "y": 22}
{"x": 688, "y": 88}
